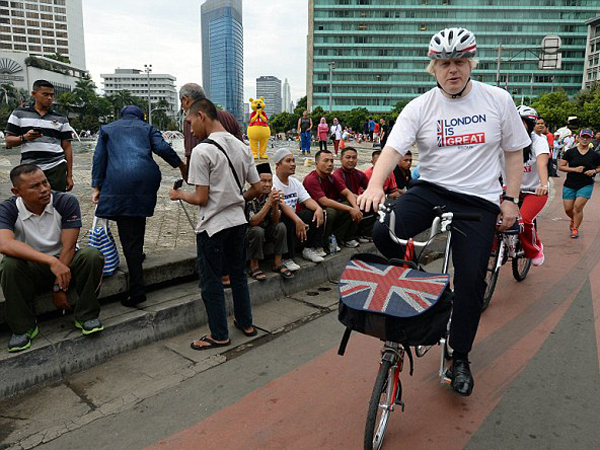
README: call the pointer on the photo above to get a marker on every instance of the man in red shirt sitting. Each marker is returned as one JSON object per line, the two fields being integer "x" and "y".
{"x": 390, "y": 188}
{"x": 343, "y": 214}
{"x": 356, "y": 181}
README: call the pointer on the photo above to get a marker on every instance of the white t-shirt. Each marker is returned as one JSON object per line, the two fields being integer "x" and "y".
{"x": 293, "y": 192}
{"x": 209, "y": 167}
{"x": 531, "y": 177}
{"x": 337, "y": 129}
{"x": 460, "y": 140}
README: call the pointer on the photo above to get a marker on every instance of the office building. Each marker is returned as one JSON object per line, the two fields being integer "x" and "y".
{"x": 379, "y": 47}
{"x": 591, "y": 73}
{"x": 162, "y": 86}
{"x": 21, "y": 70}
{"x": 44, "y": 28}
{"x": 223, "y": 54}
{"x": 287, "y": 97}
{"x": 270, "y": 88}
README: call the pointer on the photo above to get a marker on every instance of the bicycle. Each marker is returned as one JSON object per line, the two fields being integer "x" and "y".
{"x": 387, "y": 391}
{"x": 508, "y": 245}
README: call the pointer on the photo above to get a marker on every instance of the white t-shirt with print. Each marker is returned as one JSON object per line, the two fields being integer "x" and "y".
{"x": 531, "y": 177}
{"x": 293, "y": 192}
{"x": 460, "y": 141}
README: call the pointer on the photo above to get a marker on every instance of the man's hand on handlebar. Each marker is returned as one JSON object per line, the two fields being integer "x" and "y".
{"x": 371, "y": 199}
{"x": 509, "y": 213}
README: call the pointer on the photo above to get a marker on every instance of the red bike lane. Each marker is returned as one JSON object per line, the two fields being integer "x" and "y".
{"x": 322, "y": 404}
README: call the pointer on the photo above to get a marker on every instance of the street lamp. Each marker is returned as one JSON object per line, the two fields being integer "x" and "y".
{"x": 148, "y": 69}
{"x": 331, "y": 69}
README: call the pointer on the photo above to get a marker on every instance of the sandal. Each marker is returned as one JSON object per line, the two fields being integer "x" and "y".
{"x": 283, "y": 271}
{"x": 258, "y": 274}
{"x": 210, "y": 341}
{"x": 254, "y": 332}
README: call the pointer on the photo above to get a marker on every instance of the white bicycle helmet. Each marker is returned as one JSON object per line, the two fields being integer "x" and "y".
{"x": 527, "y": 113}
{"x": 452, "y": 43}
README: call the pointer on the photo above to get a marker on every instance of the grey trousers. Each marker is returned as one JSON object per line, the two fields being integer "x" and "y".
{"x": 257, "y": 236}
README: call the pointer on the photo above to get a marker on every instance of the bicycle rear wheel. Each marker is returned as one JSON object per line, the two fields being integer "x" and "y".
{"x": 380, "y": 406}
{"x": 493, "y": 271}
{"x": 520, "y": 264}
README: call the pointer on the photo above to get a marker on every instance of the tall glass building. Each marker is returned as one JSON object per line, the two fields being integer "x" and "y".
{"x": 223, "y": 54}
{"x": 380, "y": 46}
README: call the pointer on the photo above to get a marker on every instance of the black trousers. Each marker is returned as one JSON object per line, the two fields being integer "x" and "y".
{"x": 314, "y": 235}
{"x": 131, "y": 234}
{"x": 470, "y": 252}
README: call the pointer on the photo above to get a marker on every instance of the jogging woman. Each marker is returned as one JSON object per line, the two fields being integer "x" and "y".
{"x": 581, "y": 165}
{"x": 461, "y": 128}
{"x": 535, "y": 179}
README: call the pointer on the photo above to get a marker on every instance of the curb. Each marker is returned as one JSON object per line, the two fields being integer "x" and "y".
{"x": 61, "y": 350}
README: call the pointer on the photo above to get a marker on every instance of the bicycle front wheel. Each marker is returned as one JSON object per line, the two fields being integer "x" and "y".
{"x": 492, "y": 275}
{"x": 380, "y": 407}
{"x": 520, "y": 264}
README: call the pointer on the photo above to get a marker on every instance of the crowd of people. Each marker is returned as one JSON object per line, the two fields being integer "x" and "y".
{"x": 279, "y": 215}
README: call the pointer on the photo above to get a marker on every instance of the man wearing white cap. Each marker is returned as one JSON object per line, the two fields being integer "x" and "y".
{"x": 307, "y": 224}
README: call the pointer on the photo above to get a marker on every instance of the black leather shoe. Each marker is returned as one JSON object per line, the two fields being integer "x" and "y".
{"x": 131, "y": 302}
{"x": 462, "y": 380}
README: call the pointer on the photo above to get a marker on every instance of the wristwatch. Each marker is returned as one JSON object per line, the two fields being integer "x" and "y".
{"x": 515, "y": 200}
{"x": 22, "y": 138}
{"x": 56, "y": 288}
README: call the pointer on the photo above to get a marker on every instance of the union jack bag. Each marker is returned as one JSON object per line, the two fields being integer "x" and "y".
{"x": 390, "y": 301}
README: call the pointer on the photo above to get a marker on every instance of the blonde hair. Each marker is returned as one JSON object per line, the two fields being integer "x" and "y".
{"x": 431, "y": 66}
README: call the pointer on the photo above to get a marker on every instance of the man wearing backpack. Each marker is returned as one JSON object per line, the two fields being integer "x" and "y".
{"x": 219, "y": 167}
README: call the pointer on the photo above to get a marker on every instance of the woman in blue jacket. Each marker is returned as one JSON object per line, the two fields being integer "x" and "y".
{"x": 126, "y": 179}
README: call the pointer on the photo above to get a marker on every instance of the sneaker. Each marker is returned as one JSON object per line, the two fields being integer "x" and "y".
{"x": 351, "y": 244}
{"x": 89, "y": 326}
{"x": 574, "y": 232}
{"x": 291, "y": 265}
{"x": 319, "y": 251}
{"x": 310, "y": 255}
{"x": 539, "y": 259}
{"x": 20, "y": 342}
{"x": 365, "y": 239}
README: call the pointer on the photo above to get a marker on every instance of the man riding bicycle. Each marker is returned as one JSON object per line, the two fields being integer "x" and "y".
{"x": 460, "y": 129}
{"x": 534, "y": 187}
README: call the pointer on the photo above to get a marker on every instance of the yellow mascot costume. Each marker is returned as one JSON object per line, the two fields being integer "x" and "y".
{"x": 258, "y": 128}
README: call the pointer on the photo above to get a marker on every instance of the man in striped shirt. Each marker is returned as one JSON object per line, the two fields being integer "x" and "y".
{"x": 44, "y": 137}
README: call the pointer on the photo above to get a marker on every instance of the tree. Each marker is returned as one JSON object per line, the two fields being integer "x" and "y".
{"x": 555, "y": 108}
{"x": 284, "y": 122}
{"x": 65, "y": 102}
{"x": 301, "y": 106}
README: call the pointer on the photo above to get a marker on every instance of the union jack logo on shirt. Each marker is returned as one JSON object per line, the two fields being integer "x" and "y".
{"x": 397, "y": 291}
{"x": 440, "y": 133}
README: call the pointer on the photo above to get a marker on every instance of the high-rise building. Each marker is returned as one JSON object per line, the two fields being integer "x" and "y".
{"x": 223, "y": 54}
{"x": 270, "y": 88}
{"x": 591, "y": 73}
{"x": 162, "y": 86}
{"x": 379, "y": 47}
{"x": 287, "y": 97}
{"x": 44, "y": 28}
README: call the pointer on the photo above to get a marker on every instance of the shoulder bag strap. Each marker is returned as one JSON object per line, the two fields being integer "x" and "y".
{"x": 237, "y": 180}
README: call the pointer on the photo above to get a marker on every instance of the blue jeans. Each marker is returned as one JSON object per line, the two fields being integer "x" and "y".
{"x": 305, "y": 139}
{"x": 227, "y": 245}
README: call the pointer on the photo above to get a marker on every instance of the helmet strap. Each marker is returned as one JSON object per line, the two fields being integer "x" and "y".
{"x": 455, "y": 95}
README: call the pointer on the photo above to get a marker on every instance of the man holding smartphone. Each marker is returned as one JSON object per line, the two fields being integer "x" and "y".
{"x": 44, "y": 137}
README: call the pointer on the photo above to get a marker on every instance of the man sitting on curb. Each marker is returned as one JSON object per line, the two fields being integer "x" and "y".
{"x": 342, "y": 217}
{"x": 356, "y": 181}
{"x": 389, "y": 185}
{"x": 305, "y": 225}
{"x": 264, "y": 219}
{"x": 38, "y": 236}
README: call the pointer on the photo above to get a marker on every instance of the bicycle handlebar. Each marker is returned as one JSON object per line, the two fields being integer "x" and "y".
{"x": 442, "y": 222}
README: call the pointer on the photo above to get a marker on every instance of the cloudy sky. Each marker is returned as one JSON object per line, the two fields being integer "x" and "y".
{"x": 166, "y": 34}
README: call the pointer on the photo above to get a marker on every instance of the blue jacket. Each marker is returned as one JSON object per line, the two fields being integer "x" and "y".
{"x": 123, "y": 167}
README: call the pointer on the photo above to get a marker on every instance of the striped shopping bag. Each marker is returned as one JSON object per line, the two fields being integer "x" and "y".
{"x": 100, "y": 237}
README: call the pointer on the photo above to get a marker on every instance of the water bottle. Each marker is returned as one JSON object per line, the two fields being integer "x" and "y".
{"x": 332, "y": 244}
